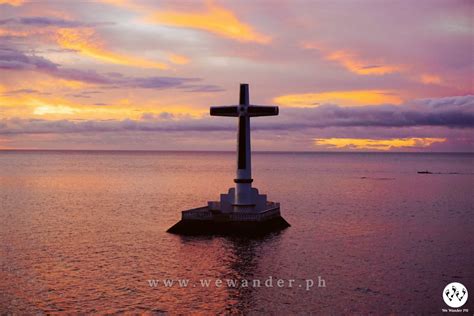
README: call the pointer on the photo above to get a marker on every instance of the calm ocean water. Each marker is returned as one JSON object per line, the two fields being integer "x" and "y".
{"x": 85, "y": 231}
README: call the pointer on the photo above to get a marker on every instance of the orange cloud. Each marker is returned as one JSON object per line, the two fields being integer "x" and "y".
{"x": 430, "y": 79}
{"x": 5, "y": 32}
{"x": 377, "y": 144}
{"x": 26, "y": 105}
{"x": 23, "y": 32}
{"x": 131, "y": 5}
{"x": 353, "y": 62}
{"x": 14, "y": 3}
{"x": 85, "y": 42}
{"x": 360, "y": 66}
{"x": 57, "y": 107}
{"x": 342, "y": 98}
{"x": 178, "y": 59}
{"x": 54, "y": 109}
{"x": 216, "y": 19}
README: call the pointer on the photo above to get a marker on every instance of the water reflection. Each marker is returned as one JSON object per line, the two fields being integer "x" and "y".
{"x": 240, "y": 260}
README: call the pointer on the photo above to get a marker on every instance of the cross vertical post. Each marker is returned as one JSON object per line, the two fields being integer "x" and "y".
{"x": 243, "y": 180}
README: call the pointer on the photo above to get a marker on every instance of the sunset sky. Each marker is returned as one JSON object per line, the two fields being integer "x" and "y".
{"x": 347, "y": 75}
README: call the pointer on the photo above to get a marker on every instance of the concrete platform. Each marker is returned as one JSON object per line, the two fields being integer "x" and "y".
{"x": 205, "y": 221}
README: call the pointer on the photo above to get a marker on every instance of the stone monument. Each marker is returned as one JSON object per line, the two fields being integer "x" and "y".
{"x": 242, "y": 210}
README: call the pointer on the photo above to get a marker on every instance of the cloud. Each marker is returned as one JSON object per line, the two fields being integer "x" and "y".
{"x": 80, "y": 37}
{"x": 79, "y": 95}
{"x": 353, "y": 62}
{"x": 11, "y": 59}
{"x": 452, "y": 113}
{"x": 158, "y": 123}
{"x": 15, "y": 60}
{"x": 343, "y": 98}
{"x": 39, "y": 21}
{"x": 14, "y": 3}
{"x": 201, "y": 88}
{"x": 178, "y": 59}
{"x": 154, "y": 82}
{"x": 87, "y": 43}
{"x": 374, "y": 66}
{"x": 6, "y": 34}
{"x": 430, "y": 79}
{"x": 216, "y": 20}
{"x": 377, "y": 144}
{"x": 24, "y": 91}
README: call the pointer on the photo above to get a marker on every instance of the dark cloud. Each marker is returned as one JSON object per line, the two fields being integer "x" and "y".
{"x": 39, "y": 21}
{"x": 451, "y": 113}
{"x": 12, "y": 59}
{"x": 19, "y": 91}
{"x": 202, "y": 88}
{"x": 60, "y": 50}
{"x": 153, "y": 123}
{"x": 153, "y": 82}
{"x": 79, "y": 95}
{"x": 160, "y": 116}
{"x": 91, "y": 91}
{"x": 87, "y": 76}
{"x": 25, "y": 91}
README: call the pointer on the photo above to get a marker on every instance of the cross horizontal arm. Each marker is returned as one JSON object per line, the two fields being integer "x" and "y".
{"x": 262, "y": 110}
{"x": 230, "y": 110}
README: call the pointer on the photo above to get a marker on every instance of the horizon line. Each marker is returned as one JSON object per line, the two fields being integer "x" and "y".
{"x": 233, "y": 151}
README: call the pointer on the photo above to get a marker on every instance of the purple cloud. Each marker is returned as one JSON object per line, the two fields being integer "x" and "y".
{"x": 202, "y": 88}
{"x": 452, "y": 112}
{"x": 25, "y": 91}
{"x": 39, "y": 21}
{"x": 12, "y": 59}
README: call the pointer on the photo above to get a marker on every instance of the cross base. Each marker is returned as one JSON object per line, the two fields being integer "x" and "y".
{"x": 206, "y": 221}
{"x": 252, "y": 201}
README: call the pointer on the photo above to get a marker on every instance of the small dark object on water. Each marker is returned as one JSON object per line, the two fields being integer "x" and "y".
{"x": 429, "y": 172}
